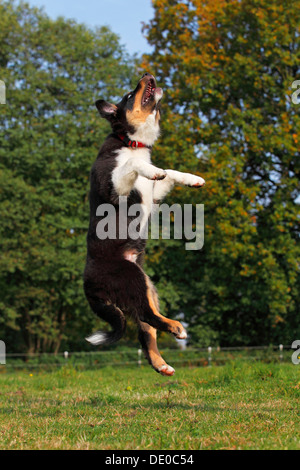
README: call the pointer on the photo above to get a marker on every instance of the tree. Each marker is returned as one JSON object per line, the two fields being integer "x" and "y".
{"x": 50, "y": 133}
{"x": 227, "y": 68}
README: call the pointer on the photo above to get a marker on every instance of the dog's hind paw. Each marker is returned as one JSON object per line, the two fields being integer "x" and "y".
{"x": 166, "y": 370}
{"x": 182, "y": 334}
{"x": 177, "y": 330}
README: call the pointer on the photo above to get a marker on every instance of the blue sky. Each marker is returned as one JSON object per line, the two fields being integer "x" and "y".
{"x": 125, "y": 17}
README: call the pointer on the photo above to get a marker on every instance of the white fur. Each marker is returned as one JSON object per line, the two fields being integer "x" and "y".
{"x": 161, "y": 188}
{"x": 145, "y": 187}
{"x": 131, "y": 256}
{"x": 185, "y": 179}
{"x": 158, "y": 94}
{"x": 148, "y": 131}
{"x": 166, "y": 370}
{"x": 97, "y": 338}
{"x": 134, "y": 169}
{"x": 126, "y": 171}
{"x": 183, "y": 334}
{"x": 132, "y": 163}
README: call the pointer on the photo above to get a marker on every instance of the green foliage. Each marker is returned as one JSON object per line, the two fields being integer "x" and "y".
{"x": 50, "y": 133}
{"x": 227, "y": 69}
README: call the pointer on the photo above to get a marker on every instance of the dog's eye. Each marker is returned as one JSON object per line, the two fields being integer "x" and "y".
{"x": 129, "y": 96}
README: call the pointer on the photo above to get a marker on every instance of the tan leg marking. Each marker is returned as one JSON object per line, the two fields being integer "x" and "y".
{"x": 175, "y": 327}
{"x": 153, "y": 353}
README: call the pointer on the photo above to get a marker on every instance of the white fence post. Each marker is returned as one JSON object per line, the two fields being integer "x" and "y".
{"x": 280, "y": 352}
{"x": 139, "y": 357}
{"x": 209, "y": 355}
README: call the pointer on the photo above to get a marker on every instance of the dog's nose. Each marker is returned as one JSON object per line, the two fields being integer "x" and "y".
{"x": 146, "y": 75}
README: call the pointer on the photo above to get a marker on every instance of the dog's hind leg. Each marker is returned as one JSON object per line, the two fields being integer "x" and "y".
{"x": 112, "y": 315}
{"x": 152, "y": 316}
{"x": 147, "y": 338}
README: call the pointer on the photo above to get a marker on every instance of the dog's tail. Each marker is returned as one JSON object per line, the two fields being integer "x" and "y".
{"x": 115, "y": 317}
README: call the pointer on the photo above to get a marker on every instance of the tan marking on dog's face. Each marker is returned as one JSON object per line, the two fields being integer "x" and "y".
{"x": 157, "y": 118}
{"x": 140, "y": 112}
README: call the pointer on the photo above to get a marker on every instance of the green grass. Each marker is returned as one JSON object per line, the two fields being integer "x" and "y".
{"x": 236, "y": 406}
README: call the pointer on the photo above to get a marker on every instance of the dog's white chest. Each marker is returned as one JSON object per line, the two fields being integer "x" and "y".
{"x": 145, "y": 187}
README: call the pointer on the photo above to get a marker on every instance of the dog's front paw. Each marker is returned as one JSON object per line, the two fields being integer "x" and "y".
{"x": 159, "y": 174}
{"x": 153, "y": 173}
{"x": 194, "y": 181}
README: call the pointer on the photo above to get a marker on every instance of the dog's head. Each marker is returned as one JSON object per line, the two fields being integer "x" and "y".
{"x": 138, "y": 113}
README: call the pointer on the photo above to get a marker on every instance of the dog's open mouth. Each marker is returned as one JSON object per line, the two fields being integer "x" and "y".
{"x": 149, "y": 92}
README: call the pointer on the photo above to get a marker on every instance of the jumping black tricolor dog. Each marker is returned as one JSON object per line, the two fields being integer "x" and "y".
{"x": 114, "y": 281}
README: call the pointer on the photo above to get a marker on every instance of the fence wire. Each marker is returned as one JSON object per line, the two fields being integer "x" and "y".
{"x": 191, "y": 357}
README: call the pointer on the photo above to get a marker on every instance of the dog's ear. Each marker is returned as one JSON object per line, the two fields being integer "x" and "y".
{"x": 106, "y": 110}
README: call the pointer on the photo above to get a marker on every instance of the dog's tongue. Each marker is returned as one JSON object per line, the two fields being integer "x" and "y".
{"x": 158, "y": 94}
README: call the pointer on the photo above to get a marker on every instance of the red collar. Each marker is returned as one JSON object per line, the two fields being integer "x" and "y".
{"x": 132, "y": 143}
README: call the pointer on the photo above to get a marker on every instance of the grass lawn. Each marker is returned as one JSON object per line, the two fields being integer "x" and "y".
{"x": 237, "y": 406}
